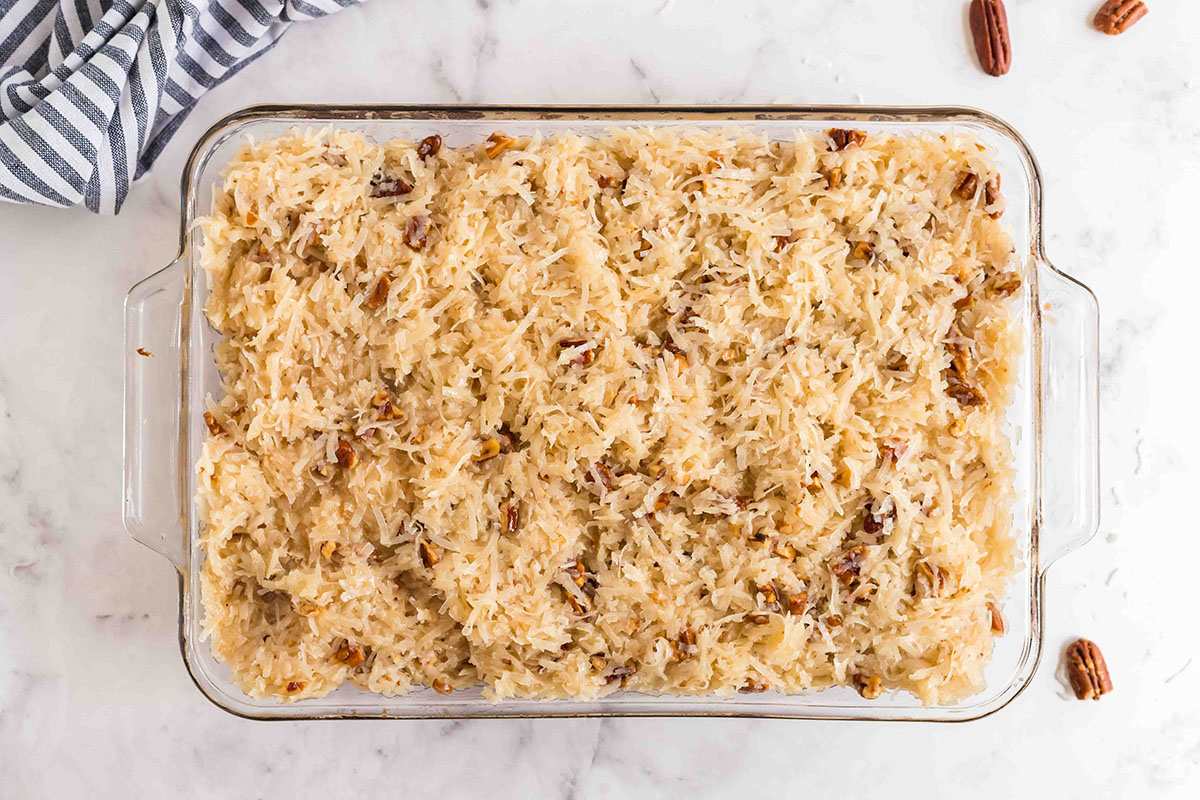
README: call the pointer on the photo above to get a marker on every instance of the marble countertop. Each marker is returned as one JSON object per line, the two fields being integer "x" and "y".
{"x": 94, "y": 699}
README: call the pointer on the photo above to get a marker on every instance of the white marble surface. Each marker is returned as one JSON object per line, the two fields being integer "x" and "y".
{"x": 94, "y": 700}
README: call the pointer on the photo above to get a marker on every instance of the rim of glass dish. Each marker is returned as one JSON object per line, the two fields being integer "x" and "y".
{"x": 917, "y": 114}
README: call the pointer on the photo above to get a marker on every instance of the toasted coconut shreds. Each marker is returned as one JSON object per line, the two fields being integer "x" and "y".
{"x": 370, "y": 424}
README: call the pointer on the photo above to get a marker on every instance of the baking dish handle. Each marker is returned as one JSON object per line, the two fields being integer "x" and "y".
{"x": 1070, "y": 404}
{"x": 153, "y": 378}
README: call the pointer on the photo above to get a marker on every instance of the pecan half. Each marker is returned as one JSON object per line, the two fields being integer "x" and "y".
{"x": 989, "y": 29}
{"x": 379, "y": 294}
{"x": 415, "y": 231}
{"x": 389, "y": 187}
{"x": 1087, "y": 671}
{"x": 843, "y": 138}
{"x": 1118, "y": 16}
{"x": 429, "y": 146}
{"x": 442, "y": 687}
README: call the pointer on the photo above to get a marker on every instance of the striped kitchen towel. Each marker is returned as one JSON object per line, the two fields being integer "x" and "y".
{"x": 91, "y": 90}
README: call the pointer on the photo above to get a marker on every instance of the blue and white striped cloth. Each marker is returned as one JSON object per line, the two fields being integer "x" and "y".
{"x": 91, "y": 90}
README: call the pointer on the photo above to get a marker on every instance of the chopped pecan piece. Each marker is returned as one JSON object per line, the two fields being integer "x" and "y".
{"x": 1006, "y": 284}
{"x": 214, "y": 427}
{"x": 685, "y": 645}
{"x": 511, "y": 513}
{"x": 295, "y": 686}
{"x": 753, "y": 686}
{"x": 848, "y": 565}
{"x": 585, "y": 356}
{"x": 321, "y": 469}
{"x": 430, "y": 146}
{"x": 997, "y": 618}
{"x": 833, "y": 177}
{"x": 621, "y": 673}
{"x": 781, "y": 242}
{"x": 1087, "y": 671}
{"x": 873, "y": 521}
{"x": 602, "y": 475}
{"x": 784, "y": 550}
{"x": 770, "y": 598}
{"x": 662, "y": 501}
{"x": 497, "y": 143}
{"x": 489, "y": 448}
{"x": 430, "y": 553}
{"x": 346, "y": 457}
{"x": 967, "y": 185}
{"x": 609, "y": 182}
{"x": 843, "y": 138}
{"x": 416, "y": 230}
{"x": 350, "y": 654}
{"x": 964, "y": 393}
{"x": 991, "y": 194}
{"x": 576, "y": 606}
{"x": 863, "y": 251}
{"x": 379, "y": 294}
{"x": 389, "y": 187}
{"x": 442, "y": 687}
{"x": 797, "y": 603}
{"x": 833, "y": 621}
{"x": 964, "y": 302}
{"x": 869, "y": 686}
{"x": 141, "y": 351}
{"x": 577, "y": 572}
{"x": 930, "y": 581}
{"x": 1117, "y": 16}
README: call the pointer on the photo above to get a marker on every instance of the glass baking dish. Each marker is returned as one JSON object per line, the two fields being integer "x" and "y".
{"x": 1052, "y": 420}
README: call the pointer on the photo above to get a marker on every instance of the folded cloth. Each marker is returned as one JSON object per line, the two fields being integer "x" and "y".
{"x": 91, "y": 90}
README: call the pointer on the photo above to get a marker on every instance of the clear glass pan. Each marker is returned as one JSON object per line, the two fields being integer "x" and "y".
{"x": 1052, "y": 421}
